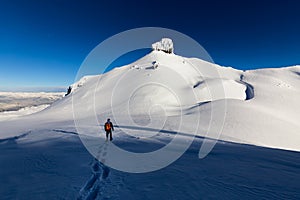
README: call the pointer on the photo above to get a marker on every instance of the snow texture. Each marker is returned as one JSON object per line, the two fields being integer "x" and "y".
{"x": 53, "y": 164}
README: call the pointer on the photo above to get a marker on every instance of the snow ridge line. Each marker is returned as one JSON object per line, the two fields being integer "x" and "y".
{"x": 100, "y": 173}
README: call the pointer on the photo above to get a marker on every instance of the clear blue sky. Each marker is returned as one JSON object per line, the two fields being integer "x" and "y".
{"x": 43, "y": 43}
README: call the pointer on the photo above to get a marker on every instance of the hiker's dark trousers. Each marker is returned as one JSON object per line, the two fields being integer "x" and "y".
{"x": 110, "y": 135}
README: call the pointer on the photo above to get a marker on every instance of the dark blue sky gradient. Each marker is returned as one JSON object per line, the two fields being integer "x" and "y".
{"x": 44, "y": 42}
{"x": 128, "y": 58}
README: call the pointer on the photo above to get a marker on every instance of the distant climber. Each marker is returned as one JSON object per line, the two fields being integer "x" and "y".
{"x": 68, "y": 91}
{"x": 108, "y": 127}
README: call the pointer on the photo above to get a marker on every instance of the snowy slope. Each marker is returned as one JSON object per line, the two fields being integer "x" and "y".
{"x": 261, "y": 105}
{"x": 53, "y": 164}
{"x": 153, "y": 101}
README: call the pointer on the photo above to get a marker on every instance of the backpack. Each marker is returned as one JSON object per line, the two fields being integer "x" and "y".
{"x": 107, "y": 126}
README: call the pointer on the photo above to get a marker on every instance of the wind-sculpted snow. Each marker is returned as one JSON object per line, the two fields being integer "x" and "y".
{"x": 249, "y": 88}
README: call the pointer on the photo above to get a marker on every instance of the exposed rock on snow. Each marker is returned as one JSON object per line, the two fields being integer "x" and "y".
{"x": 155, "y": 64}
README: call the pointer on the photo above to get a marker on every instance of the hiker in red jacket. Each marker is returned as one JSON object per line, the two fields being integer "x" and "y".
{"x": 108, "y": 127}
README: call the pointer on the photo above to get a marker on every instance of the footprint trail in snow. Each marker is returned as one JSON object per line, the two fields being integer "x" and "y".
{"x": 99, "y": 186}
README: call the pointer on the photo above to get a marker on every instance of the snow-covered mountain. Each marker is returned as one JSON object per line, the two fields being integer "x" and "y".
{"x": 255, "y": 107}
{"x": 260, "y": 105}
{"x": 152, "y": 102}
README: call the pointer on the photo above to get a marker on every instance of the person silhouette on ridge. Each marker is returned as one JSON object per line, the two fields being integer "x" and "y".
{"x": 108, "y": 127}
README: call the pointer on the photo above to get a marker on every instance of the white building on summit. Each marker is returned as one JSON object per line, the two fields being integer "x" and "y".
{"x": 165, "y": 45}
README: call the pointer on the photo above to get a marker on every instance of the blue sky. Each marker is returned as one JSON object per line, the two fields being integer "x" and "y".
{"x": 43, "y": 43}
